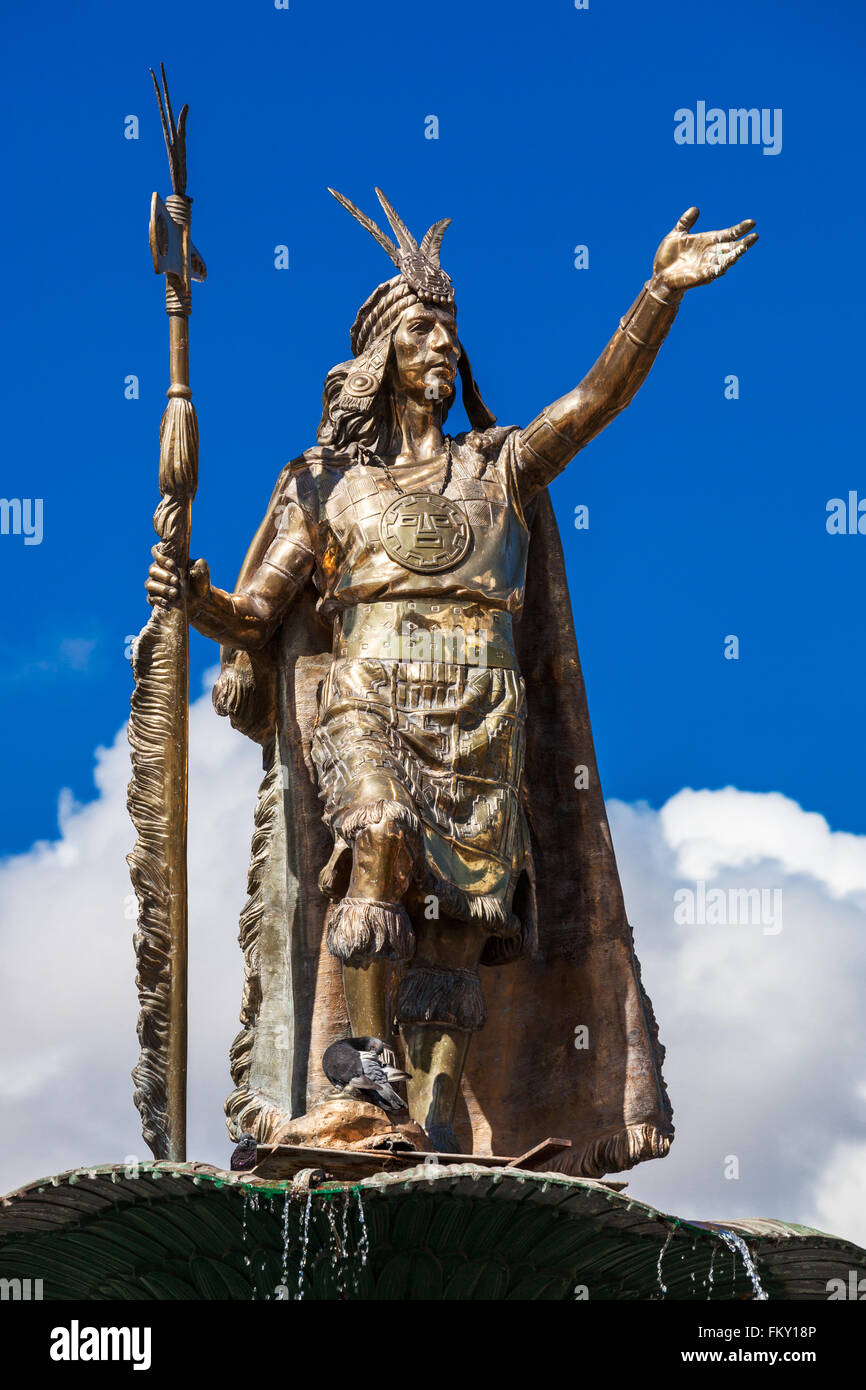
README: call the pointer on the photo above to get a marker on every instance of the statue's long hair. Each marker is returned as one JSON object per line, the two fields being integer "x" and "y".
{"x": 375, "y": 427}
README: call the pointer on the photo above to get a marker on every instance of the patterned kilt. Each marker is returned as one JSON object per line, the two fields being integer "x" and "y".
{"x": 443, "y": 747}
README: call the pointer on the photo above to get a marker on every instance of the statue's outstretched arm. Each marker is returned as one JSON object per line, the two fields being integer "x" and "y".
{"x": 249, "y": 617}
{"x": 681, "y": 262}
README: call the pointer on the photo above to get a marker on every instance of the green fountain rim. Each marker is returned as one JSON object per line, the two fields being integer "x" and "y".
{"x": 466, "y": 1176}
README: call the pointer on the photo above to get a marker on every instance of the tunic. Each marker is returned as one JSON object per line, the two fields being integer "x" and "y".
{"x": 424, "y": 709}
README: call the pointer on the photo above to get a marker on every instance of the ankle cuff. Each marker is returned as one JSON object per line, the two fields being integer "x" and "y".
{"x": 431, "y": 994}
{"x": 361, "y": 929}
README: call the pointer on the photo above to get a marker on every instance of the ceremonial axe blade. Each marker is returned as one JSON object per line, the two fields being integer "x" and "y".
{"x": 173, "y": 253}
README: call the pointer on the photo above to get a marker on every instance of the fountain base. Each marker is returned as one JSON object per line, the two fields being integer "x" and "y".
{"x": 438, "y": 1230}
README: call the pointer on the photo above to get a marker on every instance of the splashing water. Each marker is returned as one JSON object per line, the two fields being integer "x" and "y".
{"x": 350, "y": 1263}
{"x": 284, "y": 1272}
{"x": 247, "y": 1257}
{"x": 364, "y": 1243}
{"x": 710, "y": 1275}
{"x": 345, "y": 1225}
{"x": 662, "y": 1285}
{"x": 338, "y": 1251}
{"x": 738, "y": 1246}
{"x": 305, "y": 1245}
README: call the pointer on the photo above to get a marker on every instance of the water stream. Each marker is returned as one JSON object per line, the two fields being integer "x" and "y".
{"x": 347, "y": 1257}
{"x": 338, "y": 1251}
{"x": 738, "y": 1246}
{"x": 247, "y": 1257}
{"x": 663, "y": 1288}
{"x": 305, "y": 1243}
{"x": 364, "y": 1243}
{"x": 284, "y": 1272}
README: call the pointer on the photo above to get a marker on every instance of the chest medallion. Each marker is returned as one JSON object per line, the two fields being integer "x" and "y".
{"x": 425, "y": 533}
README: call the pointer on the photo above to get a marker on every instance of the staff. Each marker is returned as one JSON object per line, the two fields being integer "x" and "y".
{"x": 158, "y": 726}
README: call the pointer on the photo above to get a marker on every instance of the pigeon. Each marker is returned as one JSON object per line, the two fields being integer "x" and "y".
{"x": 363, "y": 1068}
{"x": 244, "y": 1155}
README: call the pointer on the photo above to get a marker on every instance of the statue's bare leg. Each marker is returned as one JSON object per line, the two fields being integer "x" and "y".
{"x": 372, "y": 916}
{"x": 366, "y": 989}
{"x": 440, "y": 1004}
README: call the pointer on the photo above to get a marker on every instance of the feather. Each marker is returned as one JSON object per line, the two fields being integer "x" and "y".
{"x": 399, "y": 228}
{"x": 245, "y": 1154}
{"x": 367, "y": 222}
{"x": 432, "y": 242}
{"x": 354, "y": 1065}
{"x": 392, "y": 1074}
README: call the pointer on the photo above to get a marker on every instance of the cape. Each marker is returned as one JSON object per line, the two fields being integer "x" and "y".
{"x": 570, "y": 1048}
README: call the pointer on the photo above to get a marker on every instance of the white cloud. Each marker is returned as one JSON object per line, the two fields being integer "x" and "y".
{"x": 840, "y": 1202}
{"x": 732, "y": 829}
{"x": 765, "y": 1033}
{"x": 67, "y": 1021}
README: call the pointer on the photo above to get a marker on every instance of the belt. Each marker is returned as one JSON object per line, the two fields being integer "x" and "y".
{"x": 431, "y": 630}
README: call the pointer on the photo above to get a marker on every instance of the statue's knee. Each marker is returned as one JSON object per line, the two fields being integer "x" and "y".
{"x": 386, "y": 839}
{"x": 381, "y": 823}
{"x": 384, "y": 844}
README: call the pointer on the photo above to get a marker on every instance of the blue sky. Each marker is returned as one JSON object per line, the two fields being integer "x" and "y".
{"x": 707, "y": 516}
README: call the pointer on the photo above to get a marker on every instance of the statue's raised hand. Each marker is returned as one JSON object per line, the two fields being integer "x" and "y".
{"x": 686, "y": 259}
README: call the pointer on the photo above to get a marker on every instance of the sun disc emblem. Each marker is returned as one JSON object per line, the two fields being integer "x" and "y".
{"x": 425, "y": 533}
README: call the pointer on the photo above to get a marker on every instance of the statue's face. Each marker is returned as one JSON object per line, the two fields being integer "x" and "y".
{"x": 426, "y": 353}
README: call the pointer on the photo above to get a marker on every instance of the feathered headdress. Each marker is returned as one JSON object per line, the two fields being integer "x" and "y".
{"x": 421, "y": 279}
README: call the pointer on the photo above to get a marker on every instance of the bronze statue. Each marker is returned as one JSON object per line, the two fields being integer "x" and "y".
{"x": 400, "y": 642}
